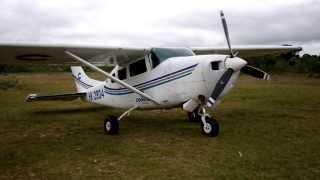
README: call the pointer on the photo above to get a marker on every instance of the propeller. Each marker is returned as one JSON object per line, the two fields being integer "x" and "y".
{"x": 221, "y": 84}
{"x": 255, "y": 72}
{"x": 226, "y": 33}
{"x": 233, "y": 64}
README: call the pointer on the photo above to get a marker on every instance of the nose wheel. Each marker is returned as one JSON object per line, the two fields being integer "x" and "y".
{"x": 209, "y": 126}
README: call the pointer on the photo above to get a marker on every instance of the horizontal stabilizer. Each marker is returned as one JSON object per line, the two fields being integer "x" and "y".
{"x": 57, "y": 97}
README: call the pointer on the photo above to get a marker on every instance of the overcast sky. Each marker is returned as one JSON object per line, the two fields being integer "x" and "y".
{"x": 161, "y": 23}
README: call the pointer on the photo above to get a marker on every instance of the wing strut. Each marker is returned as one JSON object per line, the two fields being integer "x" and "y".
{"x": 95, "y": 68}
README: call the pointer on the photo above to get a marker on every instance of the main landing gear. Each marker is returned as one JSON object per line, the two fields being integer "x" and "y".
{"x": 111, "y": 124}
{"x": 209, "y": 126}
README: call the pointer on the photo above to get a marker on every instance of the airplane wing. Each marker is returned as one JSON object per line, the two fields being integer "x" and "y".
{"x": 16, "y": 54}
{"x": 251, "y": 51}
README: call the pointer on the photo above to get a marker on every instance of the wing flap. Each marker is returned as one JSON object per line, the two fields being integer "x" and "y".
{"x": 57, "y": 97}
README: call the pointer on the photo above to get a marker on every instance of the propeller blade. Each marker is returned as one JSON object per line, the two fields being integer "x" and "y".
{"x": 255, "y": 72}
{"x": 221, "y": 84}
{"x": 226, "y": 32}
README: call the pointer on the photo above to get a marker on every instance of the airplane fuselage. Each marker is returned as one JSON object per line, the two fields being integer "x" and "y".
{"x": 172, "y": 83}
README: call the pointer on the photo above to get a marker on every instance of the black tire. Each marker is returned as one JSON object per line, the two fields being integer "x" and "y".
{"x": 194, "y": 116}
{"x": 213, "y": 127}
{"x": 111, "y": 125}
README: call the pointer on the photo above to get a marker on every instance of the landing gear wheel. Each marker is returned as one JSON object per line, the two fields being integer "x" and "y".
{"x": 194, "y": 116}
{"x": 111, "y": 125}
{"x": 212, "y": 127}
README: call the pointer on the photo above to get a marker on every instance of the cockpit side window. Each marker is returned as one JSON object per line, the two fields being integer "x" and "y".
{"x": 158, "y": 55}
{"x": 138, "y": 67}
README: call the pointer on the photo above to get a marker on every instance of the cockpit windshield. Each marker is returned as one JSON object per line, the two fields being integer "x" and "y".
{"x": 159, "y": 55}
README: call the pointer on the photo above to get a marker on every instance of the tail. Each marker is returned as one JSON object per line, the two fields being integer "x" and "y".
{"x": 82, "y": 81}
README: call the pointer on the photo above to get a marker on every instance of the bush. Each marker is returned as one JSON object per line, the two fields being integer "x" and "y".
{"x": 4, "y": 69}
{"x": 7, "y": 84}
{"x": 33, "y": 68}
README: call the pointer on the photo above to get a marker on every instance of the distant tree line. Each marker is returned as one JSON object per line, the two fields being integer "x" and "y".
{"x": 308, "y": 64}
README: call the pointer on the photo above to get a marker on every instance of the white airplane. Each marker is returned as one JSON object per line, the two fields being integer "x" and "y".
{"x": 149, "y": 78}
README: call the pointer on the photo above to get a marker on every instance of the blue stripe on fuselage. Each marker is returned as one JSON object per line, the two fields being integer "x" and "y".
{"x": 146, "y": 85}
{"x": 156, "y": 80}
{"x": 142, "y": 89}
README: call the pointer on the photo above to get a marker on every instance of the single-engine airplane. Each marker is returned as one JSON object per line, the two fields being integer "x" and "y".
{"x": 149, "y": 78}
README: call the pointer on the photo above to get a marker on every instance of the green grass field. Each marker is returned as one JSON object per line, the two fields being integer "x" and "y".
{"x": 269, "y": 130}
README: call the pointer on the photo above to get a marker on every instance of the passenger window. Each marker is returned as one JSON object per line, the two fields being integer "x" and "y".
{"x": 215, "y": 65}
{"x": 122, "y": 74}
{"x": 113, "y": 76}
{"x": 138, "y": 67}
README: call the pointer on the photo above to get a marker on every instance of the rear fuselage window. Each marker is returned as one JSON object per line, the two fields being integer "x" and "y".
{"x": 215, "y": 65}
{"x": 138, "y": 67}
{"x": 122, "y": 74}
{"x": 114, "y": 75}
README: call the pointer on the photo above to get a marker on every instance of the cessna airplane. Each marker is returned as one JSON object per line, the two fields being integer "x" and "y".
{"x": 149, "y": 78}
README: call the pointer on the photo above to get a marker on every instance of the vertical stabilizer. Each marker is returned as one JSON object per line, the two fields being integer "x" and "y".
{"x": 82, "y": 81}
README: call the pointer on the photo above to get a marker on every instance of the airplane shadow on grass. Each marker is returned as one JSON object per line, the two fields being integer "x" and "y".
{"x": 135, "y": 124}
{"x": 138, "y": 123}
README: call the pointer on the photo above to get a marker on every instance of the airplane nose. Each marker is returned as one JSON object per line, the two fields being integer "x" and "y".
{"x": 235, "y": 63}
